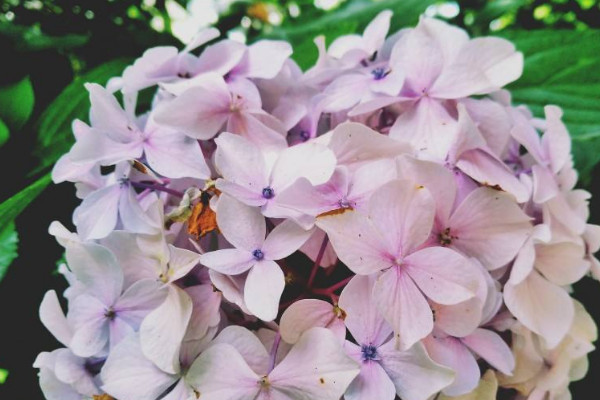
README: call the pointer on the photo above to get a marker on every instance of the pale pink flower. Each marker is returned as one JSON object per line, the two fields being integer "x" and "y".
{"x": 387, "y": 242}
{"x": 385, "y": 371}
{"x": 245, "y": 228}
{"x": 316, "y": 368}
{"x": 256, "y": 177}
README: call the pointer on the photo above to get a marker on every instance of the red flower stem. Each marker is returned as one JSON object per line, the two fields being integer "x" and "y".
{"x": 289, "y": 303}
{"x": 317, "y": 264}
{"x": 157, "y": 187}
{"x": 329, "y": 291}
{"x": 273, "y": 355}
{"x": 329, "y": 271}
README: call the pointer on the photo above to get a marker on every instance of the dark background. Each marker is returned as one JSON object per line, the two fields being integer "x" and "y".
{"x": 22, "y": 336}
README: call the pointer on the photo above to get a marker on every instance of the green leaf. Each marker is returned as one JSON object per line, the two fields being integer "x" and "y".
{"x": 561, "y": 68}
{"x": 9, "y": 210}
{"x": 16, "y": 103}
{"x": 13, "y": 206}
{"x": 54, "y": 125}
{"x": 352, "y": 17}
{"x": 31, "y": 38}
{"x": 4, "y": 133}
{"x": 8, "y": 247}
{"x": 3, "y": 375}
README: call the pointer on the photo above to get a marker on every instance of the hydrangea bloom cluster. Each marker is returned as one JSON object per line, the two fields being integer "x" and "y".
{"x": 385, "y": 224}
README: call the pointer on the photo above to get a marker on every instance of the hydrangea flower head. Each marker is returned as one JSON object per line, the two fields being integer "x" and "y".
{"x": 386, "y": 223}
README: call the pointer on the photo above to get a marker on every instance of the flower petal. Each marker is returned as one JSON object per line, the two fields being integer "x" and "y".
{"x": 372, "y": 383}
{"x": 263, "y": 289}
{"x": 403, "y": 210}
{"x": 207, "y": 378}
{"x": 309, "y": 313}
{"x": 163, "y": 329}
{"x": 284, "y": 239}
{"x": 443, "y": 275}
{"x": 316, "y": 368}
{"x": 541, "y": 306}
{"x": 403, "y": 306}
{"x": 363, "y": 319}
{"x": 129, "y": 375}
{"x": 243, "y": 226}
{"x": 490, "y": 346}
{"x": 414, "y": 374}
{"x": 489, "y": 226}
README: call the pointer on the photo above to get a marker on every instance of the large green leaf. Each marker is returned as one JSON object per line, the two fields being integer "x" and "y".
{"x": 563, "y": 68}
{"x": 54, "y": 125}
{"x": 16, "y": 103}
{"x": 9, "y": 210}
{"x": 4, "y": 133}
{"x": 31, "y": 38}
{"x": 352, "y": 17}
{"x": 13, "y": 206}
{"x": 8, "y": 247}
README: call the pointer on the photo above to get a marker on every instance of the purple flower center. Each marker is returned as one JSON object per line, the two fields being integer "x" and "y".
{"x": 344, "y": 203}
{"x": 258, "y": 254}
{"x": 369, "y": 352}
{"x": 379, "y": 73}
{"x": 268, "y": 193}
{"x": 110, "y": 314}
{"x": 93, "y": 366}
{"x": 304, "y": 135}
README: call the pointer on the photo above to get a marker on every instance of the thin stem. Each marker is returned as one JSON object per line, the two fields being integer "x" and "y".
{"x": 273, "y": 355}
{"x": 289, "y": 303}
{"x": 328, "y": 291}
{"x": 157, "y": 187}
{"x": 317, "y": 264}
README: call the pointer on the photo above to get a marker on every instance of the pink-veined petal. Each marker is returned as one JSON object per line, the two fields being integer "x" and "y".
{"x": 414, "y": 374}
{"x": 364, "y": 321}
{"x": 356, "y": 241}
{"x": 403, "y": 306}
{"x": 200, "y": 111}
{"x": 561, "y": 263}
{"x": 490, "y": 346}
{"x": 371, "y": 383}
{"x": 451, "y": 353}
{"x": 428, "y": 127}
{"x": 309, "y": 313}
{"x": 489, "y": 170}
{"x": 459, "y": 319}
{"x": 207, "y": 378}
{"x": 404, "y": 210}
{"x": 541, "y": 306}
{"x": 490, "y": 226}
{"x": 437, "y": 179}
{"x": 354, "y": 144}
{"x": 316, "y": 368}
{"x": 442, "y": 274}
